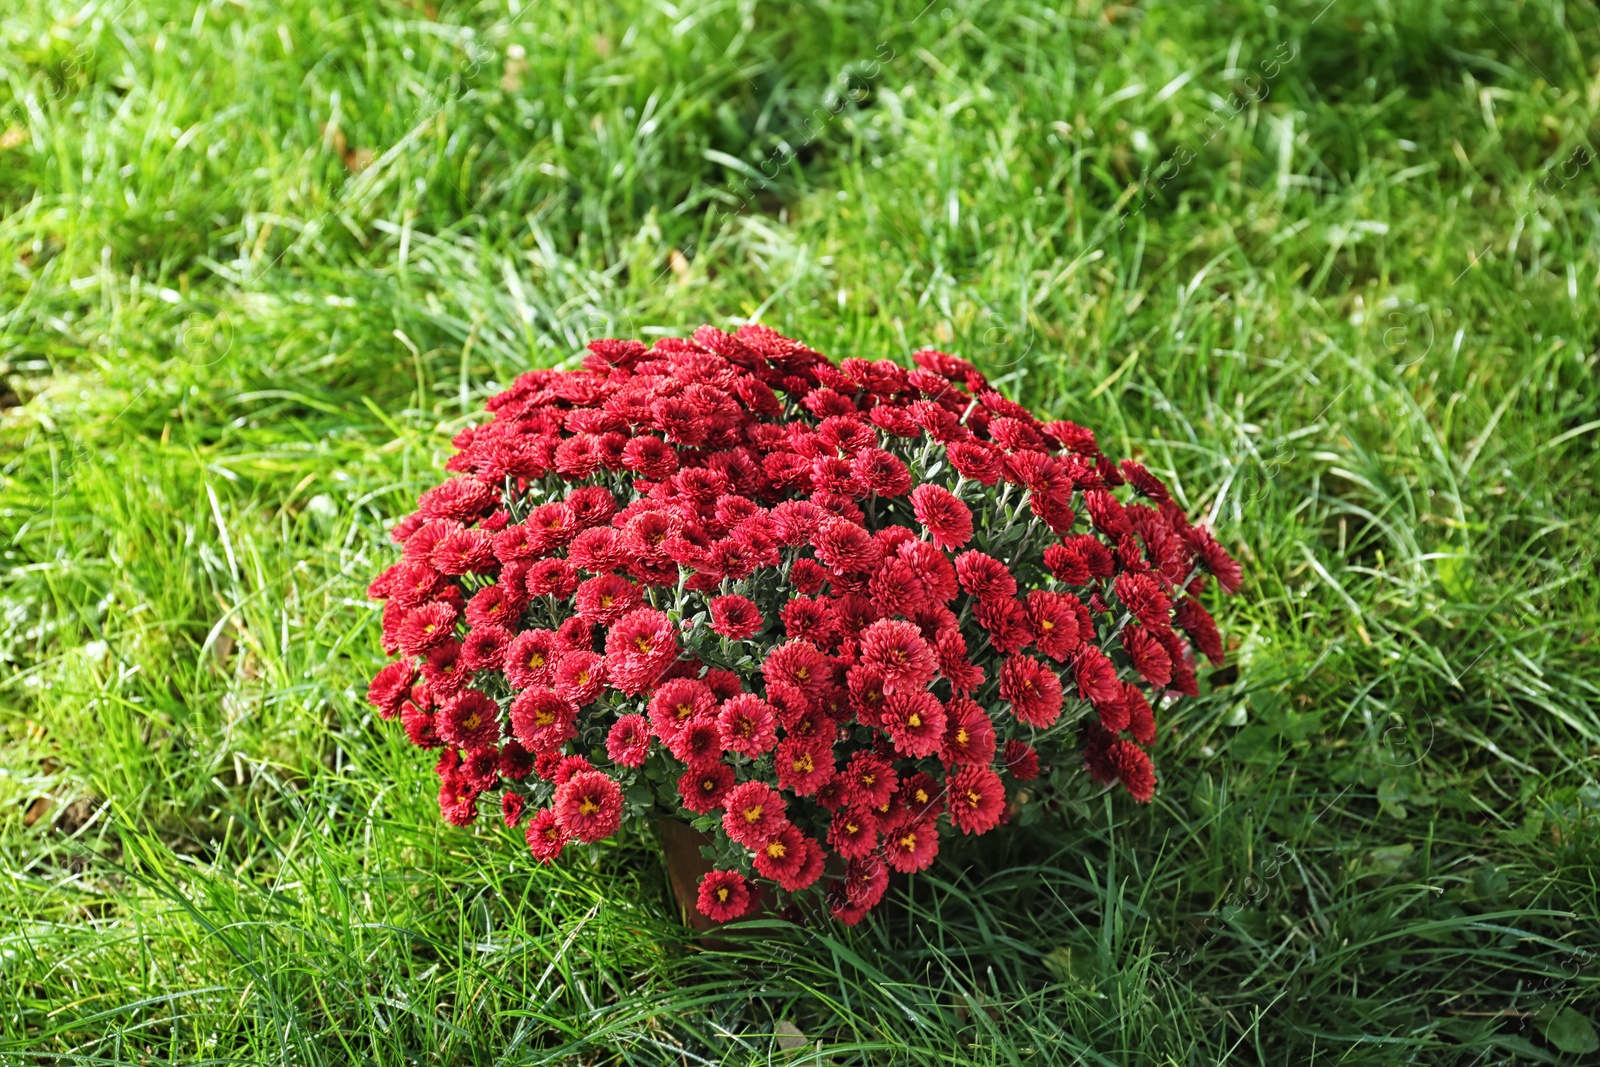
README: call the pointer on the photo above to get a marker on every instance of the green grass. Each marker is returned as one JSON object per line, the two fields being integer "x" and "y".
{"x": 1331, "y": 270}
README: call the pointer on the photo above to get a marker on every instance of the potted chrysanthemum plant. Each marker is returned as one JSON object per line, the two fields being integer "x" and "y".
{"x": 823, "y": 613}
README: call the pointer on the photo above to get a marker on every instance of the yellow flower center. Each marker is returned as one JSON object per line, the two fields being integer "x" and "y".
{"x": 722, "y": 893}
{"x": 776, "y": 850}
{"x": 1046, "y": 624}
{"x": 642, "y": 644}
{"x": 909, "y": 842}
{"x": 471, "y": 721}
{"x": 803, "y": 763}
{"x": 587, "y": 806}
{"x": 921, "y": 795}
{"x": 961, "y": 735}
{"x": 606, "y": 600}
{"x": 536, "y": 660}
{"x": 973, "y": 799}
{"x": 752, "y": 814}
{"x": 914, "y": 720}
{"x": 544, "y": 717}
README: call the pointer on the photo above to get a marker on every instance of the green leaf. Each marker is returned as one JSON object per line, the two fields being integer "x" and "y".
{"x": 1489, "y": 884}
{"x": 1256, "y": 744}
{"x": 1570, "y": 1031}
{"x": 1456, "y": 575}
{"x": 1385, "y": 861}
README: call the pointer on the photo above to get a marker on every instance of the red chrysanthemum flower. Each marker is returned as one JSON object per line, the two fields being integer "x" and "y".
{"x": 461, "y": 499}
{"x": 1133, "y": 768}
{"x": 1147, "y": 655}
{"x": 735, "y": 617}
{"x": 1197, "y": 622}
{"x": 976, "y": 460}
{"x": 808, "y": 577}
{"x": 676, "y": 702}
{"x": 1143, "y": 597}
{"x": 512, "y": 806}
{"x": 431, "y": 624}
{"x": 1007, "y": 623}
{"x": 650, "y": 457}
{"x": 911, "y": 846}
{"x": 748, "y": 725}
{"x": 469, "y": 720}
{"x": 1228, "y": 573}
{"x": 984, "y": 576}
{"x": 703, "y": 789}
{"x": 567, "y": 766}
{"x": 915, "y": 722}
{"x": 796, "y": 664}
{"x": 589, "y": 806}
{"x": 803, "y": 766}
{"x": 530, "y": 659}
{"x": 853, "y": 833}
{"x": 976, "y": 799}
{"x": 783, "y": 857}
{"x": 545, "y": 836}
{"x": 845, "y": 547}
{"x": 606, "y": 599}
{"x": 947, "y": 520}
{"x": 464, "y": 551}
{"x": 481, "y": 768}
{"x": 390, "y": 687}
{"x": 639, "y": 648}
{"x": 1021, "y": 760}
{"x": 1032, "y": 690}
{"x": 755, "y": 813}
{"x": 541, "y": 721}
{"x": 485, "y": 648}
{"x": 1141, "y": 718}
{"x": 628, "y": 741}
{"x": 724, "y": 896}
{"x": 458, "y": 799}
{"x": 870, "y": 781}
{"x": 418, "y": 723}
{"x": 1095, "y": 676}
{"x": 698, "y": 742}
{"x": 963, "y": 675}
{"x": 897, "y": 651}
{"x": 551, "y": 577}
{"x": 863, "y": 886}
{"x": 881, "y": 472}
{"x": 515, "y": 761}
{"x": 1055, "y": 623}
{"x": 968, "y": 733}
{"x": 579, "y": 677}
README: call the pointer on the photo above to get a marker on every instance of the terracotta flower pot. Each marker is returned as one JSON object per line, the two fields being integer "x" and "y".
{"x": 680, "y": 851}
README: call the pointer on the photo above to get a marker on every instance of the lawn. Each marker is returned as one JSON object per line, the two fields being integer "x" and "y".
{"x": 1330, "y": 268}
